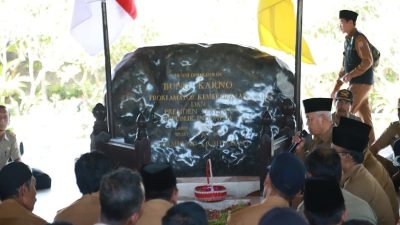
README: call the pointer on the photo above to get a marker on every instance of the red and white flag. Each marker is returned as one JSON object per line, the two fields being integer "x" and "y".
{"x": 87, "y": 23}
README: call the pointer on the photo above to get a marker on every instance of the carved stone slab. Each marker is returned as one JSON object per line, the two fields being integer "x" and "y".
{"x": 202, "y": 101}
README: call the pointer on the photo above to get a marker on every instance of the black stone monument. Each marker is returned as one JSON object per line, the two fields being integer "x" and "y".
{"x": 203, "y": 102}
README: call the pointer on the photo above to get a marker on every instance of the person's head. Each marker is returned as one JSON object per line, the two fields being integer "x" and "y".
{"x": 17, "y": 182}
{"x": 323, "y": 202}
{"x": 348, "y": 20}
{"x": 121, "y": 197}
{"x": 159, "y": 181}
{"x": 4, "y": 118}
{"x": 282, "y": 216}
{"x": 324, "y": 162}
{"x": 349, "y": 140}
{"x": 318, "y": 114}
{"x": 343, "y": 101}
{"x": 89, "y": 169}
{"x": 286, "y": 176}
{"x": 186, "y": 213}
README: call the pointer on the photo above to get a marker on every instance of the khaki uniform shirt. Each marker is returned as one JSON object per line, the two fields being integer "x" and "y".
{"x": 311, "y": 143}
{"x": 379, "y": 172}
{"x": 252, "y": 214}
{"x": 12, "y": 213}
{"x": 387, "y": 138}
{"x": 361, "y": 183}
{"x": 84, "y": 211}
{"x": 8, "y": 148}
{"x": 153, "y": 212}
{"x": 336, "y": 118}
{"x": 357, "y": 209}
{"x": 324, "y": 140}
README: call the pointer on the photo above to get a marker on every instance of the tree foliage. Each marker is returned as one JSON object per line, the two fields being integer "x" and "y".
{"x": 40, "y": 62}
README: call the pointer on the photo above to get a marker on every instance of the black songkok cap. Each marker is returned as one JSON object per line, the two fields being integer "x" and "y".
{"x": 351, "y": 134}
{"x": 12, "y": 176}
{"x": 157, "y": 176}
{"x": 322, "y": 196}
{"x": 348, "y": 15}
{"x": 317, "y": 104}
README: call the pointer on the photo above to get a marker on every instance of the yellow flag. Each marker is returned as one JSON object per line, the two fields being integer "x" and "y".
{"x": 277, "y": 28}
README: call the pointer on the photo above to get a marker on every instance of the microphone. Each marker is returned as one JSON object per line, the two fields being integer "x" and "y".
{"x": 293, "y": 146}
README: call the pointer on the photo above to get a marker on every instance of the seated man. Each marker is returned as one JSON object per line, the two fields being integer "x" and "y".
{"x": 319, "y": 122}
{"x": 325, "y": 163}
{"x": 373, "y": 166}
{"x": 186, "y": 213}
{"x": 9, "y": 150}
{"x": 18, "y": 195}
{"x": 284, "y": 180}
{"x": 282, "y": 216}
{"x": 89, "y": 169}
{"x": 343, "y": 101}
{"x": 350, "y": 143}
{"x": 388, "y": 137}
{"x": 8, "y": 141}
{"x": 161, "y": 192}
{"x": 121, "y": 197}
{"x": 323, "y": 202}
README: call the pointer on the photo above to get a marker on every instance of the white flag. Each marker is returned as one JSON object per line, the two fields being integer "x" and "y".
{"x": 87, "y": 23}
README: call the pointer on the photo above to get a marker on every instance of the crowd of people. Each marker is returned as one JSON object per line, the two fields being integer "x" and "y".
{"x": 335, "y": 175}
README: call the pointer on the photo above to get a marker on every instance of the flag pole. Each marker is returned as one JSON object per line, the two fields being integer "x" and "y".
{"x": 297, "y": 88}
{"x": 110, "y": 121}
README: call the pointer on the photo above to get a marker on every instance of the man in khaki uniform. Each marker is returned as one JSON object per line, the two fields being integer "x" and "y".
{"x": 18, "y": 195}
{"x": 284, "y": 180}
{"x": 391, "y": 134}
{"x": 388, "y": 137}
{"x": 376, "y": 169}
{"x": 343, "y": 102}
{"x": 325, "y": 163}
{"x": 350, "y": 143}
{"x": 8, "y": 141}
{"x": 9, "y": 150}
{"x": 319, "y": 122}
{"x": 89, "y": 169}
{"x": 121, "y": 197}
{"x": 161, "y": 192}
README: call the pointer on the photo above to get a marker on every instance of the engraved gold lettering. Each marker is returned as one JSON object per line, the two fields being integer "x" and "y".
{"x": 215, "y": 85}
